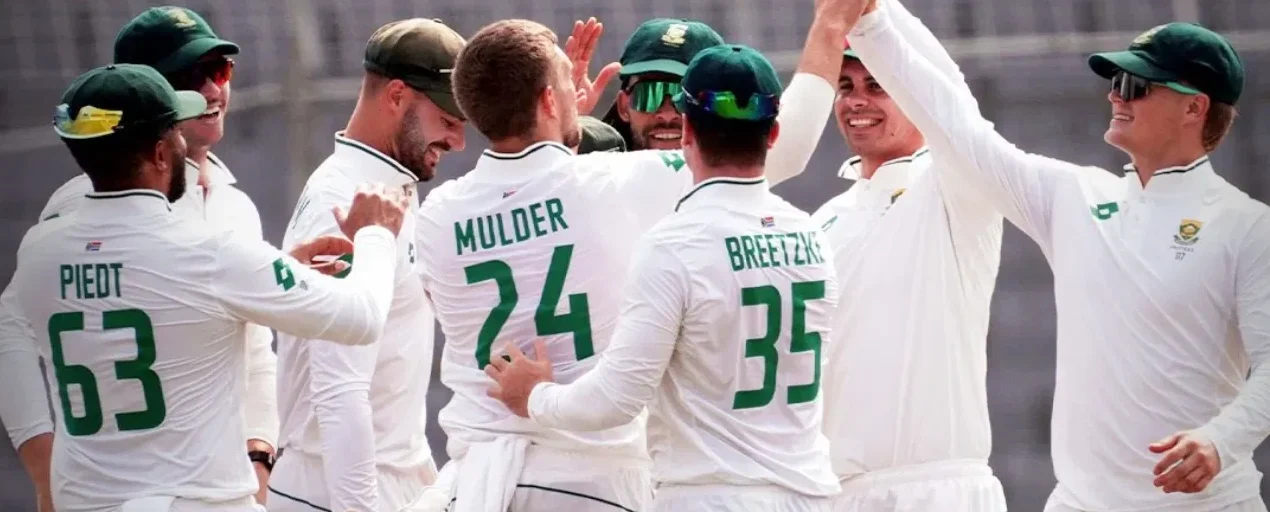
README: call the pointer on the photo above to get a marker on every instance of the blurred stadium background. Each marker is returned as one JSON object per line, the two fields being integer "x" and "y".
{"x": 299, "y": 71}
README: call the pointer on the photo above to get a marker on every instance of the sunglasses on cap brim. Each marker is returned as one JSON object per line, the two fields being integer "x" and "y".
{"x": 220, "y": 70}
{"x": 725, "y": 104}
{"x": 1131, "y": 87}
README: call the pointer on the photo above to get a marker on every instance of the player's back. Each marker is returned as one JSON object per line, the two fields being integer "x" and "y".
{"x": 536, "y": 245}
{"x": 147, "y": 369}
{"x": 740, "y": 403}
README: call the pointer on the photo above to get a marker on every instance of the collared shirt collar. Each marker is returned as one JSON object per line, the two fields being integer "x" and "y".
{"x": 127, "y": 202}
{"x": 1194, "y": 177}
{"x": 371, "y": 164}
{"x": 895, "y": 173}
{"x": 217, "y": 173}
{"x": 726, "y": 191}
{"x": 540, "y": 155}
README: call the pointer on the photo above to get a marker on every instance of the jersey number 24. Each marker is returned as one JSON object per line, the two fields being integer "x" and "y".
{"x": 546, "y": 321}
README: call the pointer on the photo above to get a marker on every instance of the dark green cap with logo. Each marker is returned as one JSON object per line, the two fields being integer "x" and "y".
{"x": 736, "y": 69}
{"x": 420, "y": 52}
{"x": 116, "y": 98}
{"x": 597, "y": 136}
{"x": 169, "y": 39}
{"x": 666, "y": 45}
{"x": 1179, "y": 55}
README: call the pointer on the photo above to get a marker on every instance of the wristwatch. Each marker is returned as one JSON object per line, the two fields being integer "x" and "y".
{"x": 264, "y": 458}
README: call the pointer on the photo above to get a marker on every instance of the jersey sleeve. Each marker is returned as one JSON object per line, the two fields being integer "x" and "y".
{"x": 630, "y": 369}
{"x": 66, "y": 198}
{"x": 23, "y": 406}
{"x": 649, "y": 183}
{"x": 805, "y": 105}
{"x": 1020, "y": 185}
{"x": 257, "y": 283}
{"x": 1244, "y": 423}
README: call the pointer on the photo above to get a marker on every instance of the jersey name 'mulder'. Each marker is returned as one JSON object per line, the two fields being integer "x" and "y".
{"x": 503, "y": 229}
{"x": 773, "y": 250}
{"x": 91, "y": 280}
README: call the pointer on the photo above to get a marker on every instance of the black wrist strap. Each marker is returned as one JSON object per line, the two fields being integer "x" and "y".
{"x": 264, "y": 458}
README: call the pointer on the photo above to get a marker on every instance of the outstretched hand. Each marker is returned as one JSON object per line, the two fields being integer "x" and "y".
{"x": 580, "y": 48}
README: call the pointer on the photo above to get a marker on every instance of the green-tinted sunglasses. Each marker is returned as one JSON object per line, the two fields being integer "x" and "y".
{"x": 724, "y": 104}
{"x": 647, "y": 97}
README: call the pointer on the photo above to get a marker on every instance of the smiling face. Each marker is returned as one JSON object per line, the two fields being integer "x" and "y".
{"x": 870, "y": 121}
{"x": 1162, "y": 118}
{"x": 660, "y": 129}
{"x": 210, "y": 76}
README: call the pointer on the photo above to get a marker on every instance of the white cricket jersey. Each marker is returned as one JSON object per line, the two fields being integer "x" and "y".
{"x": 726, "y": 321}
{"x": 220, "y": 204}
{"x": 389, "y": 378}
{"x": 1162, "y": 294}
{"x": 142, "y": 315}
{"x": 534, "y": 244}
{"x": 909, "y": 359}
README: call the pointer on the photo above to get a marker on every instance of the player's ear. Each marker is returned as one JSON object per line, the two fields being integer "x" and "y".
{"x": 1197, "y": 108}
{"x": 689, "y": 135}
{"x": 623, "y": 105}
{"x": 547, "y": 102}
{"x": 397, "y": 94}
{"x": 771, "y": 136}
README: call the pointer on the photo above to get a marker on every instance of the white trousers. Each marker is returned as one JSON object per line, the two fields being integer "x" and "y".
{"x": 170, "y": 504}
{"x": 945, "y": 486}
{"x": 558, "y": 481}
{"x": 298, "y": 484}
{"x": 1252, "y": 505}
{"x": 736, "y": 498}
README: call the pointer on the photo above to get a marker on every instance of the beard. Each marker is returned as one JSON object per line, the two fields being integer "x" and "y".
{"x": 413, "y": 149}
{"x": 572, "y": 135}
{"x": 176, "y": 182}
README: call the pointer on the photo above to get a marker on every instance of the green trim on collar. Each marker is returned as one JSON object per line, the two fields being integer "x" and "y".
{"x": 340, "y": 139}
{"x": 717, "y": 181}
{"x": 129, "y": 193}
{"x": 1173, "y": 170}
{"x": 526, "y": 152}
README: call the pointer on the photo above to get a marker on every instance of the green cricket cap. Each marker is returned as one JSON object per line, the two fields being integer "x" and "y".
{"x": 736, "y": 69}
{"x": 597, "y": 136}
{"x": 117, "y": 97}
{"x": 666, "y": 45}
{"x": 848, "y": 52}
{"x": 169, "y": 39}
{"x": 1185, "y": 57}
{"x": 420, "y": 52}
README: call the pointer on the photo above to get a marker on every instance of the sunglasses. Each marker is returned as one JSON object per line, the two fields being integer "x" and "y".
{"x": 724, "y": 104}
{"x": 219, "y": 70}
{"x": 647, "y": 97}
{"x": 1132, "y": 87}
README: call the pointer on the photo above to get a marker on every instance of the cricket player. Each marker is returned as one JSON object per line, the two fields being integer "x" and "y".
{"x": 651, "y": 66}
{"x": 182, "y": 45}
{"x": 146, "y": 327}
{"x": 353, "y": 418}
{"x": 1162, "y": 277}
{"x": 920, "y": 250}
{"x": 734, "y": 425}
{"x": 532, "y": 243}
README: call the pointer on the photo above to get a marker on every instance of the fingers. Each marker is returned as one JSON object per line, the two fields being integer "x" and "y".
{"x": 514, "y": 351}
{"x": 1165, "y": 444}
{"x": 330, "y": 268}
{"x": 497, "y": 363}
{"x": 1171, "y": 458}
{"x": 607, "y": 75}
{"x": 1178, "y": 472}
{"x": 494, "y": 392}
{"x": 1203, "y": 482}
{"x": 594, "y": 29}
{"x": 540, "y": 350}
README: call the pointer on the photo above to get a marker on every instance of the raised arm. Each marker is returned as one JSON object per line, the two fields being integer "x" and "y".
{"x": 1020, "y": 185}
{"x": 630, "y": 369}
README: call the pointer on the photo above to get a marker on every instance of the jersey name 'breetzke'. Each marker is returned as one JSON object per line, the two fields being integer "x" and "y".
{"x": 141, "y": 313}
{"x": 724, "y": 327}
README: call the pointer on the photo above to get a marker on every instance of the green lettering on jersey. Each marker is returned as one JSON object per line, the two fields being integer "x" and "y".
{"x": 82, "y": 377}
{"x": 497, "y": 230}
{"x": 769, "y": 297}
{"x": 282, "y": 273}
{"x": 673, "y": 159}
{"x": 91, "y": 280}
{"x": 463, "y": 237}
{"x": 1104, "y": 211}
{"x": 734, "y": 253}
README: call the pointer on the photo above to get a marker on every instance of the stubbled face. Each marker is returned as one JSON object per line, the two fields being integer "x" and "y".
{"x": 1145, "y": 124}
{"x": 661, "y": 129}
{"x": 174, "y": 148}
{"x": 870, "y": 121}
{"x": 425, "y": 133}
{"x": 566, "y": 95}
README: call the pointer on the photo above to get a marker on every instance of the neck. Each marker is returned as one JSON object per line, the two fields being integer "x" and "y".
{"x": 518, "y": 144}
{"x": 198, "y": 155}
{"x": 366, "y": 126}
{"x": 870, "y": 163}
{"x": 1170, "y": 155}
{"x": 702, "y": 173}
{"x": 141, "y": 180}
